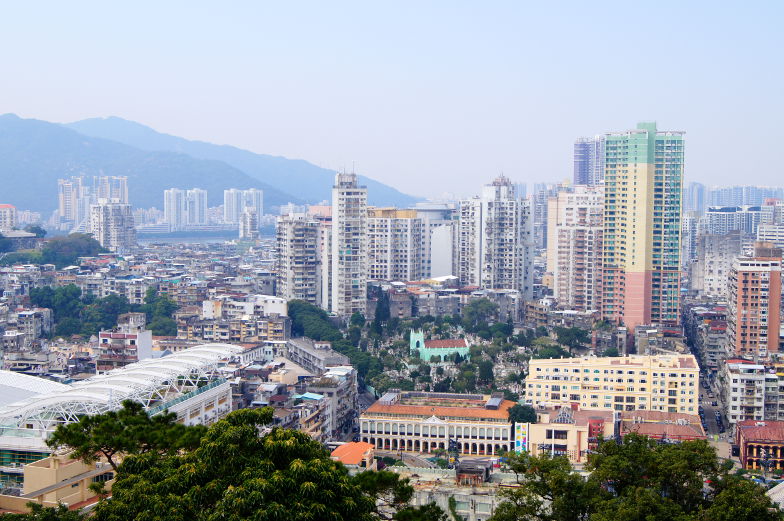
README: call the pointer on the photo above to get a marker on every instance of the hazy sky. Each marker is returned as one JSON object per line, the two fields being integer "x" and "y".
{"x": 430, "y": 97}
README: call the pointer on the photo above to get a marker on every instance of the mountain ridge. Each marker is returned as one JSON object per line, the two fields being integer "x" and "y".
{"x": 310, "y": 182}
{"x": 35, "y": 153}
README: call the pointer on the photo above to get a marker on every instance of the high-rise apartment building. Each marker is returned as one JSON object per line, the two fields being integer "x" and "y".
{"x": 395, "y": 244}
{"x": 112, "y": 225}
{"x": 349, "y": 246}
{"x": 237, "y": 201}
{"x": 742, "y": 195}
{"x": 249, "y": 225}
{"x": 196, "y": 206}
{"x": 111, "y": 188}
{"x": 589, "y": 160}
{"x": 439, "y": 221}
{"x": 710, "y": 271}
{"x": 7, "y": 217}
{"x": 73, "y": 199}
{"x": 719, "y": 220}
{"x": 574, "y": 246}
{"x": 642, "y": 226}
{"x": 694, "y": 198}
{"x": 690, "y": 227}
{"x": 253, "y": 198}
{"x": 298, "y": 266}
{"x": 232, "y": 205}
{"x": 495, "y": 240}
{"x": 174, "y": 208}
{"x": 542, "y": 193}
{"x": 754, "y": 303}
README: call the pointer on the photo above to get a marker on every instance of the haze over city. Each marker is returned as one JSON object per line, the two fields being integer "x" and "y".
{"x": 428, "y": 97}
{"x": 412, "y": 261}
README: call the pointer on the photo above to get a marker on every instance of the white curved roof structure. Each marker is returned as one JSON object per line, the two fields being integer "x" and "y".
{"x": 150, "y": 382}
{"x": 15, "y": 387}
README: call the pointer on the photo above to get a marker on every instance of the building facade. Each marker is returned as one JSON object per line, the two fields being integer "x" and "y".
{"x": 298, "y": 265}
{"x": 7, "y": 217}
{"x": 642, "y": 226}
{"x": 494, "y": 240}
{"x": 112, "y": 225}
{"x": 589, "y": 160}
{"x": 657, "y": 383}
{"x": 574, "y": 246}
{"x": 426, "y": 422}
{"x": 709, "y": 273}
{"x": 395, "y": 245}
{"x": 349, "y": 246}
{"x": 754, "y": 303}
{"x": 174, "y": 208}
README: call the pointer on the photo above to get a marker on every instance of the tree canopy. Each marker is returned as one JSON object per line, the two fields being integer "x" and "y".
{"x": 636, "y": 479}
{"x": 78, "y": 313}
{"x": 228, "y": 472}
{"x": 572, "y": 337}
{"x": 125, "y": 432}
{"x": 522, "y": 414}
{"x": 478, "y": 314}
{"x": 64, "y": 251}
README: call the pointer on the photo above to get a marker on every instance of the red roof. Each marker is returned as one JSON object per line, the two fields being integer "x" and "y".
{"x": 449, "y": 343}
{"x": 755, "y": 430}
{"x": 7, "y": 206}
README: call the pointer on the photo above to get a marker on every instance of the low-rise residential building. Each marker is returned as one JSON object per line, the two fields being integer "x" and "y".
{"x": 129, "y": 342}
{"x": 338, "y": 386}
{"x": 426, "y": 422}
{"x": 661, "y": 383}
{"x": 567, "y": 432}
{"x": 315, "y": 357}
{"x": 744, "y": 390}
{"x": 359, "y": 454}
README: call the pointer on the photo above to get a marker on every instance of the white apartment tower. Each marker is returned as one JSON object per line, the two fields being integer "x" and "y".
{"x": 298, "y": 264}
{"x": 196, "y": 206}
{"x": 395, "y": 244}
{"x": 174, "y": 208}
{"x": 112, "y": 225}
{"x": 237, "y": 201}
{"x": 71, "y": 194}
{"x": 7, "y": 217}
{"x": 249, "y": 225}
{"x": 253, "y": 199}
{"x": 232, "y": 205}
{"x": 349, "y": 246}
{"x": 574, "y": 246}
{"x": 494, "y": 238}
{"x": 439, "y": 223}
{"x": 111, "y": 188}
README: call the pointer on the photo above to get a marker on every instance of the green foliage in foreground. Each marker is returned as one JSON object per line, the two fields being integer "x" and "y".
{"x": 227, "y": 472}
{"x": 636, "y": 480}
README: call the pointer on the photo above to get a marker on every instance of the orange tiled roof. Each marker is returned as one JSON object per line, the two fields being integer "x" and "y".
{"x": 478, "y": 412}
{"x": 352, "y": 453}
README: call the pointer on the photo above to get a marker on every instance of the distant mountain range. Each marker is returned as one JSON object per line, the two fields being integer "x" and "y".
{"x": 34, "y": 154}
{"x": 309, "y": 182}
